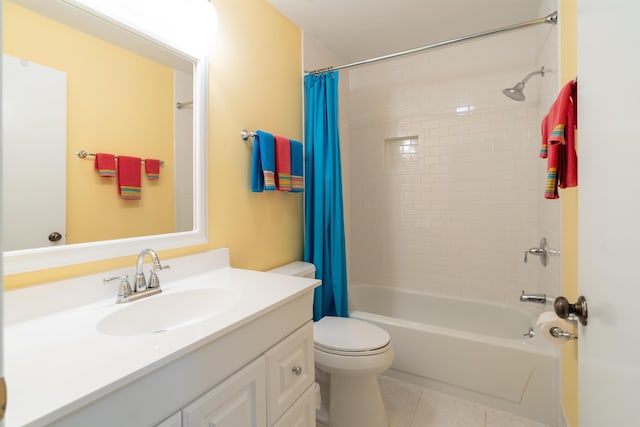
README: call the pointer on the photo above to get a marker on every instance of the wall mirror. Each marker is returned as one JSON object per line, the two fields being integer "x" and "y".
{"x": 78, "y": 79}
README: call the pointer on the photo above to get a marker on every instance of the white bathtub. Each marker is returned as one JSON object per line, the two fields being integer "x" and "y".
{"x": 471, "y": 349}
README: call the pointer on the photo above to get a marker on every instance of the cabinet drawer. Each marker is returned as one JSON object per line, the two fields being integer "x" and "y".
{"x": 289, "y": 370}
{"x": 302, "y": 413}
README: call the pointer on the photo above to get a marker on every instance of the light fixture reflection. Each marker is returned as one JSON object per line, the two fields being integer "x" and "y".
{"x": 188, "y": 25}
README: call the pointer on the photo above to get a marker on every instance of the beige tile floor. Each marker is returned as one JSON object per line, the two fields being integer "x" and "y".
{"x": 409, "y": 405}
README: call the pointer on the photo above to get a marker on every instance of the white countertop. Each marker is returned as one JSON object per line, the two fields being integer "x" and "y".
{"x": 59, "y": 362}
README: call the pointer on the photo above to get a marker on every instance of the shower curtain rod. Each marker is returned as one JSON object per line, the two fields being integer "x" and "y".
{"x": 552, "y": 18}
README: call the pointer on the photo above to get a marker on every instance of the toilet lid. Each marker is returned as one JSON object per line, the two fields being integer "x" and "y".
{"x": 348, "y": 335}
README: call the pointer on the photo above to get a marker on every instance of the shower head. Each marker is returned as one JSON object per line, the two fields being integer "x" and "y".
{"x": 517, "y": 92}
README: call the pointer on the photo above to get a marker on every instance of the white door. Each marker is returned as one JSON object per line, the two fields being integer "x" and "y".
{"x": 609, "y": 211}
{"x": 2, "y": 382}
{"x": 34, "y": 133}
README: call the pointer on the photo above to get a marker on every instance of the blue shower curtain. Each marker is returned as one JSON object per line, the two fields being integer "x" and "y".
{"x": 324, "y": 219}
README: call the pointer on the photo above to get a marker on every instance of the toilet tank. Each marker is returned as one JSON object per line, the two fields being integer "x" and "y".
{"x": 296, "y": 268}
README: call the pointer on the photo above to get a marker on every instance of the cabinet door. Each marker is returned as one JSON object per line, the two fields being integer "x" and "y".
{"x": 302, "y": 413}
{"x": 290, "y": 370}
{"x": 174, "y": 420}
{"x": 240, "y": 401}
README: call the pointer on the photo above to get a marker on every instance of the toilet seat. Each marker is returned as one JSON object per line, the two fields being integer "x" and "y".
{"x": 352, "y": 353}
{"x": 349, "y": 337}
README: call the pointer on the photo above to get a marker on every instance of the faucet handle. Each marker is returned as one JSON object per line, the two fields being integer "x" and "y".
{"x": 124, "y": 290}
{"x": 154, "y": 282}
{"x": 123, "y": 278}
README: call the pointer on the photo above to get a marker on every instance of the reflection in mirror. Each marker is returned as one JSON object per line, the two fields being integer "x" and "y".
{"x": 66, "y": 89}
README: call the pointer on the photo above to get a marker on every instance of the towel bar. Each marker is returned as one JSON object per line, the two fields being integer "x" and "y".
{"x": 83, "y": 155}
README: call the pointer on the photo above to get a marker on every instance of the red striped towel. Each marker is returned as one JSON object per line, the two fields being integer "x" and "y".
{"x": 105, "y": 164}
{"x": 129, "y": 180}
{"x": 558, "y": 142}
{"x": 152, "y": 169}
{"x": 283, "y": 163}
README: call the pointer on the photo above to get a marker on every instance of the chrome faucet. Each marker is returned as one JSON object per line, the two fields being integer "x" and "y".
{"x": 536, "y": 298}
{"x": 140, "y": 281}
{"x": 140, "y": 289}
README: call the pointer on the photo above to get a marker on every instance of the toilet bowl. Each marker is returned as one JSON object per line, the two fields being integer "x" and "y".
{"x": 350, "y": 353}
{"x": 353, "y": 353}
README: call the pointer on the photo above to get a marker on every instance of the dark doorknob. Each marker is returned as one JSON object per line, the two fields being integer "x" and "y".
{"x": 55, "y": 236}
{"x": 564, "y": 309}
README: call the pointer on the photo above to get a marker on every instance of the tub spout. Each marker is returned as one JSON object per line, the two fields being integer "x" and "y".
{"x": 535, "y": 298}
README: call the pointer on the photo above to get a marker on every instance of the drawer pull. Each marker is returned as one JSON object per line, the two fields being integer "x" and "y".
{"x": 297, "y": 370}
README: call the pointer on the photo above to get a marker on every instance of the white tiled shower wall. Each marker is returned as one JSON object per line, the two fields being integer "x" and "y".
{"x": 452, "y": 212}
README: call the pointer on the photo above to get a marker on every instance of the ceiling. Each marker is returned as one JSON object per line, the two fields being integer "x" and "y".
{"x": 359, "y": 29}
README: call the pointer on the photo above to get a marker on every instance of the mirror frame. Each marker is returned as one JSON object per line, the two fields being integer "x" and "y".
{"x": 107, "y": 27}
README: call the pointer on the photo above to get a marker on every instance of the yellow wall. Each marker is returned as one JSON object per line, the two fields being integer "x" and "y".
{"x": 117, "y": 102}
{"x": 569, "y": 70}
{"x": 255, "y": 82}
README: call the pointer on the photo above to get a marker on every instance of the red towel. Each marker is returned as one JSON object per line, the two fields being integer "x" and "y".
{"x": 558, "y": 141}
{"x": 283, "y": 163}
{"x": 152, "y": 169}
{"x": 129, "y": 177}
{"x": 105, "y": 164}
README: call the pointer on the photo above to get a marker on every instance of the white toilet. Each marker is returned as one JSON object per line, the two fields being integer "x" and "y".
{"x": 351, "y": 353}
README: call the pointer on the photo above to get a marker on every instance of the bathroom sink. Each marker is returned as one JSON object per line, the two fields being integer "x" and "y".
{"x": 166, "y": 312}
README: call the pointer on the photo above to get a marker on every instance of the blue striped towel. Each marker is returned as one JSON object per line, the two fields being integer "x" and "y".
{"x": 297, "y": 167}
{"x": 263, "y": 163}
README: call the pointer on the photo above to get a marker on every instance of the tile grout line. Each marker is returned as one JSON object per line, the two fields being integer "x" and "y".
{"x": 415, "y": 410}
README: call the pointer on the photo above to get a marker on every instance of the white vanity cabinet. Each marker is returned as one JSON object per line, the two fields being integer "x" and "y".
{"x": 250, "y": 358}
{"x": 276, "y": 389}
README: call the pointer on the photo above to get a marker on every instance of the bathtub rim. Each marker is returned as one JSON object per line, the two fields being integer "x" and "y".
{"x": 536, "y": 344}
{"x": 517, "y": 308}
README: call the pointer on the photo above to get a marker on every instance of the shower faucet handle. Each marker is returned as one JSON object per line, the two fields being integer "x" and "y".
{"x": 532, "y": 251}
{"x": 541, "y": 252}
